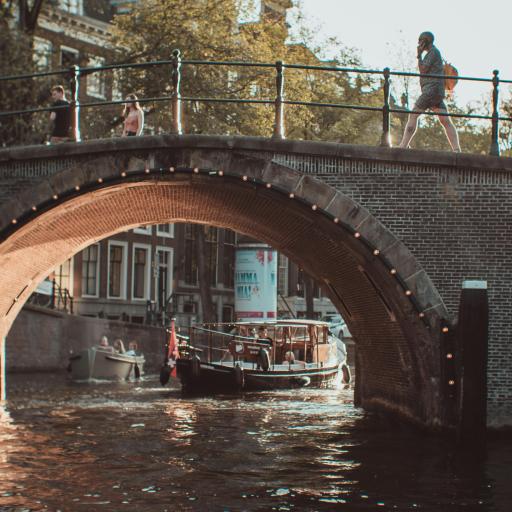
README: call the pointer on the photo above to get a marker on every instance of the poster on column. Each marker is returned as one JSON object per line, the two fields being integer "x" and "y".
{"x": 255, "y": 282}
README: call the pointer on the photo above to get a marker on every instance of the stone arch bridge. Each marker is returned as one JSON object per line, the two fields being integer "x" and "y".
{"x": 390, "y": 233}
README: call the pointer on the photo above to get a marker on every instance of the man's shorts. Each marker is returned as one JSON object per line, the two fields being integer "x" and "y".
{"x": 429, "y": 100}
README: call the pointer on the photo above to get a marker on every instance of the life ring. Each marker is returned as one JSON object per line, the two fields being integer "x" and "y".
{"x": 239, "y": 377}
{"x": 345, "y": 372}
{"x": 263, "y": 359}
{"x": 195, "y": 368}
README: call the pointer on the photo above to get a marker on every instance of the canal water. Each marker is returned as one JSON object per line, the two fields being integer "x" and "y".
{"x": 141, "y": 447}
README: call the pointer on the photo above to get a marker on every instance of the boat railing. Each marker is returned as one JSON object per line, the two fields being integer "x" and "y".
{"x": 214, "y": 345}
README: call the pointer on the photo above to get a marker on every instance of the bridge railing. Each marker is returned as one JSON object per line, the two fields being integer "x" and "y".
{"x": 279, "y": 101}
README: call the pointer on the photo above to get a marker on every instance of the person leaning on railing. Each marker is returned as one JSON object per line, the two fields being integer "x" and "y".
{"x": 60, "y": 117}
{"x": 133, "y": 117}
{"x": 432, "y": 92}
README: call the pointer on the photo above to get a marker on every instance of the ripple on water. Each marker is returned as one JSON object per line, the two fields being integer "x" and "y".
{"x": 136, "y": 446}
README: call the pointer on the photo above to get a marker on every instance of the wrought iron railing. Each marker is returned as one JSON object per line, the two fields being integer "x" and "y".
{"x": 279, "y": 101}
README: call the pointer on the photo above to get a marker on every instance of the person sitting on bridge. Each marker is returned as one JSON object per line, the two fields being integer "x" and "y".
{"x": 61, "y": 116}
{"x": 432, "y": 92}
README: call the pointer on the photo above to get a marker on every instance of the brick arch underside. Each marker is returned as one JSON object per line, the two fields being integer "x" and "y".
{"x": 397, "y": 368}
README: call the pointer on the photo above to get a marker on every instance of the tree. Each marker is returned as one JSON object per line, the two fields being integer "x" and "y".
{"x": 18, "y": 20}
{"x": 155, "y": 28}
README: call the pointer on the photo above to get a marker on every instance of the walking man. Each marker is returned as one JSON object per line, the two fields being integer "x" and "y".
{"x": 432, "y": 92}
{"x": 61, "y": 116}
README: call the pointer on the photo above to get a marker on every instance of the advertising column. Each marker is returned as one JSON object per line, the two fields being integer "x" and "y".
{"x": 255, "y": 282}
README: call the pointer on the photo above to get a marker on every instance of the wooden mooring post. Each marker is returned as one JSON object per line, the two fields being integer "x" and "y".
{"x": 472, "y": 349}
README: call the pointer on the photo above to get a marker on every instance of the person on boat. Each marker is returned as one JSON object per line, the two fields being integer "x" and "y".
{"x": 119, "y": 346}
{"x": 132, "y": 349}
{"x": 104, "y": 342}
{"x": 263, "y": 336}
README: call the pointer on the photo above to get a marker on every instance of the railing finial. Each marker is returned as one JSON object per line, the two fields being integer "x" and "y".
{"x": 495, "y": 146}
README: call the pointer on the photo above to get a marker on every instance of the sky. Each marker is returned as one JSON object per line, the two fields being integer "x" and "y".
{"x": 474, "y": 35}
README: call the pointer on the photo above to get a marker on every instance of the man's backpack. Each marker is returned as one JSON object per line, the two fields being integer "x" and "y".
{"x": 450, "y": 83}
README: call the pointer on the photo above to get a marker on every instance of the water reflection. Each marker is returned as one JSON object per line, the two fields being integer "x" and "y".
{"x": 140, "y": 447}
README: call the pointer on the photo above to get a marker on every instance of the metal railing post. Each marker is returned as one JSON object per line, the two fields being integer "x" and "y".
{"x": 176, "y": 96}
{"x": 385, "y": 140}
{"x": 52, "y": 300}
{"x": 279, "y": 106}
{"x": 495, "y": 147}
{"x": 75, "y": 103}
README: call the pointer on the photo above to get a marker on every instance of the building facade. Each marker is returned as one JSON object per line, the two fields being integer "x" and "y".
{"x": 149, "y": 273}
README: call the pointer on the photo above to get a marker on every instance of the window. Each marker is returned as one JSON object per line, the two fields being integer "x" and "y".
{"x": 166, "y": 230}
{"x": 90, "y": 271}
{"x": 143, "y": 230}
{"x": 282, "y": 280}
{"x": 96, "y": 80}
{"x": 141, "y": 274}
{"x": 68, "y": 56}
{"x": 42, "y": 53}
{"x": 117, "y": 252}
{"x": 117, "y": 81}
{"x": 72, "y": 6}
{"x": 229, "y": 259}
{"x": 211, "y": 235}
{"x": 163, "y": 275}
{"x": 190, "y": 264}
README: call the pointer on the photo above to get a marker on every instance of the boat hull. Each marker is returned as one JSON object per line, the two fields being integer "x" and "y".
{"x": 99, "y": 364}
{"x": 199, "y": 376}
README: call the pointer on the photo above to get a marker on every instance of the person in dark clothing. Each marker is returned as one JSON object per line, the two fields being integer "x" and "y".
{"x": 432, "y": 92}
{"x": 61, "y": 116}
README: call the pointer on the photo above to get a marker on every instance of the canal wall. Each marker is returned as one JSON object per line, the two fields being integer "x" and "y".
{"x": 42, "y": 339}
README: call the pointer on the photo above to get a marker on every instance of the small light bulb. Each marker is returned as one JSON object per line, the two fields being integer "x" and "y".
{"x": 357, "y": 234}
{"x": 376, "y": 252}
{"x": 269, "y": 185}
{"x": 314, "y": 207}
{"x": 146, "y": 170}
{"x": 77, "y": 188}
{"x": 34, "y": 208}
{"x": 408, "y": 292}
{"x": 292, "y": 195}
{"x": 445, "y": 329}
{"x": 14, "y": 221}
{"x": 196, "y": 170}
{"x": 171, "y": 169}
{"x": 123, "y": 174}
{"x": 449, "y": 356}
{"x": 451, "y": 382}
{"x": 244, "y": 178}
{"x": 336, "y": 220}
{"x": 221, "y": 173}
{"x": 100, "y": 180}
{"x": 55, "y": 196}
{"x": 393, "y": 271}
{"x": 421, "y": 315}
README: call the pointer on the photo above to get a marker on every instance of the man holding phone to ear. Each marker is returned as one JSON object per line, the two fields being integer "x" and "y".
{"x": 432, "y": 92}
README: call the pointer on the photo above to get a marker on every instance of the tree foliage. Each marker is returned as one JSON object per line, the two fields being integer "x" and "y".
{"x": 17, "y": 51}
{"x": 155, "y": 28}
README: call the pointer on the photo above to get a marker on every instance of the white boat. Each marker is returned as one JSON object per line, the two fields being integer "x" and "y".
{"x": 105, "y": 363}
{"x": 291, "y": 354}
